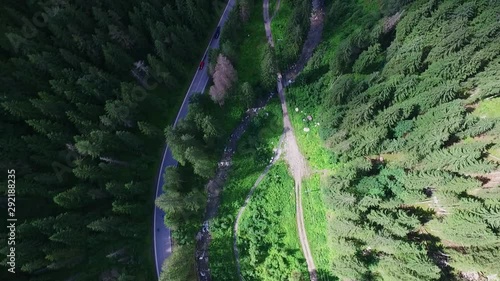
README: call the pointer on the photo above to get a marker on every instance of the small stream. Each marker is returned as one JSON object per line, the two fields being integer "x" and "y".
{"x": 214, "y": 189}
{"x": 215, "y": 185}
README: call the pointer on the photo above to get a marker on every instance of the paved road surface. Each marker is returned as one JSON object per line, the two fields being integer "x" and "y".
{"x": 162, "y": 240}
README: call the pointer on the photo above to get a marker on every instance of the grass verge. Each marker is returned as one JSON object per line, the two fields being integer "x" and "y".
{"x": 307, "y": 135}
{"x": 253, "y": 153}
{"x": 488, "y": 108}
{"x": 268, "y": 239}
{"x": 251, "y": 49}
{"x": 315, "y": 219}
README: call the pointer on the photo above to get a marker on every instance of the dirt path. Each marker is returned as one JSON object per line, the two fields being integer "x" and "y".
{"x": 214, "y": 189}
{"x": 438, "y": 208}
{"x": 267, "y": 23}
{"x": 299, "y": 169}
{"x": 276, "y": 9}
{"x": 247, "y": 200}
{"x": 296, "y": 161}
{"x": 490, "y": 180}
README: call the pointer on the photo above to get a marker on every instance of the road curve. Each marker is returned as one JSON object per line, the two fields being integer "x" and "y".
{"x": 161, "y": 236}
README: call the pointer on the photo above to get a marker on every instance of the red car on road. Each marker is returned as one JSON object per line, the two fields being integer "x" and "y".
{"x": 202, "y": 64}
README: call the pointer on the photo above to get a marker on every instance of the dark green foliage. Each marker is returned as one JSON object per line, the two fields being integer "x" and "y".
{"x": 85, "y": 127}
{"x": 369, "y": 60}
{"x": 446, "y": 120}
{"x": 268, "y": 68}
{"x": 339, "y": 10}
{"x": 390, "y": 7}
{"x": 349, "y": 49}
{"x": 295, "y": 30}
{"x": 174, "y": 267}
{"x": 197, "y": 141}
{"x": 247, "y": 94}
{"x": 411, "y": 199}
{"x": 194, "y": 139}
{"x": 263, "y": 253}
{"x": 460, "y": 158}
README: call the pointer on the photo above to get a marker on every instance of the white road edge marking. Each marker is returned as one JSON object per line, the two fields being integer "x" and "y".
{"x": 166, "y": 149}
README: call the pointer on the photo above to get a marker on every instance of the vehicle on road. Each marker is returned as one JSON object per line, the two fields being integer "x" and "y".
{"x": 217, "y": 33}
{"x": 202, "y": 64}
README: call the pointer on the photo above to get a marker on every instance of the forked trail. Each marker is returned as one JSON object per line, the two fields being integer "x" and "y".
{"x": 296, "y": 161}
{"x": 294, "y": 158}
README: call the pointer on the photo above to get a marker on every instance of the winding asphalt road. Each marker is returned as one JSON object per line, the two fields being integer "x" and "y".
{"x": 162, "y": 239}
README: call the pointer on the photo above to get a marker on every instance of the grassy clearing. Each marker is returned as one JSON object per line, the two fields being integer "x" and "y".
{"x": 488, "y": 108}
{"x": 268, "y": 240}
{"x": 494, "y": 154}
{"x": 310, "y": 143}
{"x": 301, "y": 105}
{"x": 253, "y": 154}
{"x": 278, "y": 24}
{"x": 252, "y": 48}
{"x": 315, "y": 215}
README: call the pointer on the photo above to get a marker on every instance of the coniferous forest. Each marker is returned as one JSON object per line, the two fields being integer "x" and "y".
{"x": 87, "y": 88}
{"x": 408, "y": 106}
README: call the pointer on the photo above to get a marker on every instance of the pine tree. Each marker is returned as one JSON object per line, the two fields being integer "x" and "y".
{"x": 463, "y": 228}
{"x": 247, "y": 94}
{"x": 268, "y": 68}
{"x": 73, "y": 198}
